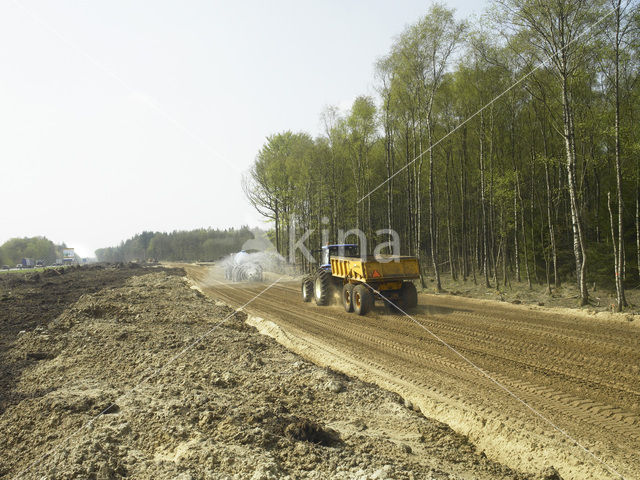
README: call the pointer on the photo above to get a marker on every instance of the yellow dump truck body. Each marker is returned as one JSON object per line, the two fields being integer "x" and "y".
{"x": 387, "y": 271}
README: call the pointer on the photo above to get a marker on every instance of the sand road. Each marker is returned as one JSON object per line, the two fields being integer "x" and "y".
{"x": 531, "y": 387}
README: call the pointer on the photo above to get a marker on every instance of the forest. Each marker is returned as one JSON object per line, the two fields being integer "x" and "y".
{"x": 205, "y": 244}
{"x": 502, "y": 149}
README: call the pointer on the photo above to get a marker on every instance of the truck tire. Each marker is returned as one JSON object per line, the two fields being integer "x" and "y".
{"x": 362, "y": 300}
{"x": 408, "y": 296}
{"x": 322, "y": 287}
{"x": 347, "y": 297}
{"x": 307, "y": 288}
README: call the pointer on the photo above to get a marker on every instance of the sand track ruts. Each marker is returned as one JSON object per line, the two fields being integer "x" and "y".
{"x": 580, "y": 374}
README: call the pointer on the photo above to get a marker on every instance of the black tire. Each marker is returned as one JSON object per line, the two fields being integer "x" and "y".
{"x": 347, "y": 297}
{"x": 362, "y": 300}
{"x": 307, "y": 289}
{"x": 322, "y": 287}
{"x": 408, "y": 296}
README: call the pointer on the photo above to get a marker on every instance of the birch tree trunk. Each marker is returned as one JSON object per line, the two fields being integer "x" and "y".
{"x": 576, "y": 224}
{"x": 483, "y": 201}
{"x": 449, "y": 236}
{"x": 524, "y": 232}
{"x": 463, "y": 219}
{"x": 516, "y": 231}
{"x": 552, "y": 236}
{"x": 432, "y": 213}
{"x": 621, "y": 300}
{"x": 616, "y": 265}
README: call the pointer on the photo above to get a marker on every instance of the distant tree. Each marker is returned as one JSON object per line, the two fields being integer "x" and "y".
{"x": 282, "y": 164}
{"x": 362, "y": 134}
{"x": 193, "y": 245}
{"x": 37, "y": 248}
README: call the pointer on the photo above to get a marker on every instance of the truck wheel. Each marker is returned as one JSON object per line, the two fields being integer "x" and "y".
{"x": 307, "y": 288}
{"x": 347, "y": 297}
{"x": 362, "y": 300}
{"x": 321, "y": 287}
{"x": 408, "y": 296}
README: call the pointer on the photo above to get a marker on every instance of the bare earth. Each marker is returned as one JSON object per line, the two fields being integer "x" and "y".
{"x": 123, "y": 341}
{"x": 536, "y": 386}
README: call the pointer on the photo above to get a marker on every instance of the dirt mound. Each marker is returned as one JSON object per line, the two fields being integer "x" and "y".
{"x": 31, "y": 301}
{"x": 309, "y": 431}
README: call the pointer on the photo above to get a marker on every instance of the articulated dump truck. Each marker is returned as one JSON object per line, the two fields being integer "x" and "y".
{"x": 361, "y": 280}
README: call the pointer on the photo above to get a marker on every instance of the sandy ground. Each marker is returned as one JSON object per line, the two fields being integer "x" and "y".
{"x": 536, "y": 387}
{"x": 565, "y": 298}
{"x": 104, "y": 378}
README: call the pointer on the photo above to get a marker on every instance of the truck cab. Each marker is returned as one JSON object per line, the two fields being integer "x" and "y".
{"x": 342, "y": 250}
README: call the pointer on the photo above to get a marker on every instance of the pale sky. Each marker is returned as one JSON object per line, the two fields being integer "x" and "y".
{"x": 119, "y": 116}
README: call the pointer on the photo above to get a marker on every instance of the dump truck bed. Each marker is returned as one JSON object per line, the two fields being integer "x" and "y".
{"x": 370, "y": 270}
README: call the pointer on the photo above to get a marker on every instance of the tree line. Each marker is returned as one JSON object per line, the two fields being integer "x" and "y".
{"x": 501, "y": 150}
{"x": 37, "y": 248}
{"x": 194, "y": 245}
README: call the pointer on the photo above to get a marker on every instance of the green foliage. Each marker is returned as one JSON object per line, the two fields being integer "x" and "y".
{"x": 502, "y": 97}
{"x": 193, "y": 245}
{"x": 37, "y": 248}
